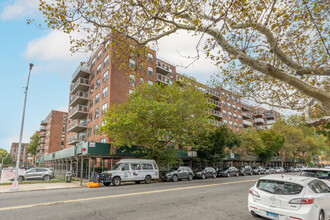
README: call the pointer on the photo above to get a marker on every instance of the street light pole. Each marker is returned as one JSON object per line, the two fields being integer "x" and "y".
{"x": 15, "y": 183}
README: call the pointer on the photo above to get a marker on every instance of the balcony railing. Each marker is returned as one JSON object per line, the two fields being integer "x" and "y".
{"x": 75, "y": 139}
{"x": 79, "y": 98}
{"x": 270, "y": 122}
{"x": 43, "y": 122}
{"x": 79, "y": 111}
{"x": 216, "y": 113}
{"x": 42, "y": 134}
{"x": 248, "y": 123}
{"x": 259, "y": 120}
{"x": 81, "y": 71}
{"x": 80, "y": 84}
{"x": 216, "y": 103}
{"x": 247, "y": 115}
{"x": 163, "y": 68}
{"x": 270, "y": 115}
{"x": 43, "y": 128}
{"x": 41, "y": 141}
{"x": 163, "y": 79}
{"x": 77, "y": 126}
{"x": 213, "y": 92}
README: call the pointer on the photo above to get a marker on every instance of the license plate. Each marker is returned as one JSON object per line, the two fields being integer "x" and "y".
{"x": 274, "y": 215}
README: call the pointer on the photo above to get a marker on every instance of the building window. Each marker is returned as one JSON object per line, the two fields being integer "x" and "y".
{"x": 150, "y": 57}
{"x": 106, "y": 60}
{"x": 150, "y": 70}
{"x": 93, "y": 62}
{"x": 103, "y": 140}
{"x": 150, "y": 82}
{"x": 130, "y": 91}
{"x": 228, "y": 105}
{"x": 225, "y": 121}
{"x": 92, "y": 75}
{"x": 99, "y": 55}
{"x": 98, "y": 83}
{"x": 240, "y": 125}
{"x": 230, "y": 124}
{"x": 234, "y": 107}
{"x": 91, "y": 102}
{"x": 104, "y": 108}
{"x": 105, "y": 75}
{"x": 239, "y": 117}
{"x": 89, "y": 132}
{"x": 62, "y": 143}
{"x": 98, "y": 70}
{"x": 97, "y": 98}
{"x": 238, "y": 109}
{"x": 223, "y": 104}
{"x": 141, "y": 80}
{"x": 236, "y": 126}
{"x": 224, "y": 113}
{"x": 131, "y": 80}
{"x": 131, "y": 63}
{"x": 64, "y": 117}
{"x": 105, "y": 92}
{"x": 235, "y": 116}
{"x": 97, "y": 113}
{"x": 63, "y": 123}
{"x": 229, "y": 114}
{"x": 96, "y": 129}
{"x": 90, "y": 116}
{"x": 63, "y": 137}
{"x": 92, "y": 88}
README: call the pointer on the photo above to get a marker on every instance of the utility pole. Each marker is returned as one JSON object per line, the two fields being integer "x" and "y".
{"x": 14, "y": 186}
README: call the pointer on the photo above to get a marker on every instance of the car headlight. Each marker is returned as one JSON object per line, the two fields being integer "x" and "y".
{"x": 109, "y": 174}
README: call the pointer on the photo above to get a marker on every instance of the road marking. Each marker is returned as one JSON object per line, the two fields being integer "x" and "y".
{"x": 120, "y": 195}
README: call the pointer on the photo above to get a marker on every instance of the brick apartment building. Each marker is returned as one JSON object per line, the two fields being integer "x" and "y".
{"x": 23, "y": 154}
{"x": 100, "y": 83}
{"x": 53, "y": 132}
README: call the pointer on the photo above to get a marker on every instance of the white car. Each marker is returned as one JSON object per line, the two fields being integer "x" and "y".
{"x": 286, "y": 197}
{"x": 320, "y": 173}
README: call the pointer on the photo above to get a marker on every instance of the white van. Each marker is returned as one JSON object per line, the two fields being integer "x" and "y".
{"x": 131, "y": 170}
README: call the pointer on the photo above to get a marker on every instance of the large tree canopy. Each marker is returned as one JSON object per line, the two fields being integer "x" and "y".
{"x": 273, "y": 51}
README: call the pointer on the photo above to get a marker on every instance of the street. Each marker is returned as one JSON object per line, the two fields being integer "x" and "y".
{"x": 221, "y": 198}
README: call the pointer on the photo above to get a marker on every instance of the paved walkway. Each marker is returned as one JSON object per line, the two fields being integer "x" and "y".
{"x": 41, "y": 186}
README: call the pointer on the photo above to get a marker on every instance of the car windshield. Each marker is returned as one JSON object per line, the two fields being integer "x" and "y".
{"x": 279, "y": 187}
{"x": 173, "y": 169}
{"x": 117, "y": 166}
{"x": 316, "y": 173}
{"x": 199, "y": 170}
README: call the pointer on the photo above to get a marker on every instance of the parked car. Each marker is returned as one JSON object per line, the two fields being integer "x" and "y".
{"x": 130, "y": 170}
{"x": 289, "y": 197}
{"x": 295, "y": 169}
{"x": 320, "y": 173}
{"x": 288, "y": 169}
{"x": 259, "y": 170}
{"x": 45, "y": 174}
{"x": 245, "y": 170}
{"x": 228, "y": 172}
{"x": 279, "y": 170}
{"x": 205, "y": 172}
{"x": 179, "y": 173}
{"x": 270, "y": 170}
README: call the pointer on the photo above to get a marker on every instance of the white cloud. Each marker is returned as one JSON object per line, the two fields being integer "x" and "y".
{"x": 54, "y": 46}
{"x": 19, "y": 8}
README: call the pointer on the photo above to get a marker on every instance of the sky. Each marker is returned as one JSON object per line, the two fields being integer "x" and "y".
{"x": 48, "y": 50}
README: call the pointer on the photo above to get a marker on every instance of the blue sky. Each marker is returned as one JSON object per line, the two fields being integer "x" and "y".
{"x": 21, "y": 44}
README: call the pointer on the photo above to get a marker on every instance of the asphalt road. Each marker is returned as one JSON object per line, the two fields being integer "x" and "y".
{"x": 221, "y": 198}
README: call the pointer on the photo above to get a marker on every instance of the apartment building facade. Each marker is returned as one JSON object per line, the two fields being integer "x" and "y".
{"x": 52, "y": 133}
{"x": 23, "y": 154}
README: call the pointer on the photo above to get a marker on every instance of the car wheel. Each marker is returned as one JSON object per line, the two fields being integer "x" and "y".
{"x": 46, "y": 178}
{"x": 106, "y": 183}
{"x": 116, "y": 181}
{"x": 203, "y": 176}
{"x": 137, "y": 182}
{"x": 237, "y": 174}
{"x": 259, "y": 173}
{"x": 20, "y": 179}
{"x": 251, "y": 173}
{"x": 244, "y": 173}
{"x": 175, "y": 178}
{"x": 148, "y": 179}
{"x": 190, "y": 177}
{"x": 214, "y": 176}
{"x": 228, "y": 174}
{"x": 321, "y": 215}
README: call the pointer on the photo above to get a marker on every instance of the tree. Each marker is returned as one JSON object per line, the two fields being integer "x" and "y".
{"x": 156, "y": 117}
{"x": 273, "y": 142}
{"x": 212, "y": 147}
{"x": 274, "y": 51}
{"x": 5, "y": 155}
{"x": 33, "y": 146}
{"x": 251, "y": 141}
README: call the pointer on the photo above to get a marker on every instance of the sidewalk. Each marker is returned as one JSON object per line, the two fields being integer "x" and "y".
{"x": 42, "y": 186}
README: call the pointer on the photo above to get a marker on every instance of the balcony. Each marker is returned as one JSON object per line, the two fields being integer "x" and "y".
{"x": 81, "y": 84}
{"x": 216, "y": 103}
{"x": 79, "y": 111}
{"x": 245, "y": 107}
{"x": 270, "y": 122}
{"x": 81, "y": 71}
{"x": 41, "y": 141}
{"x": 163, "y": 79}
{"x": 75, "y": 139}
{"x": 43, "y": 128}
{"x": 77, "y": 126}
{"x": 258, "y": 113}
{"x": 80, "y": 98}
{"x": 270, "y": 115}
{"x": 42, "y": 134}
{"x": 260, "y": 127}
{"x": 259, "y": 120}
{"x": 43, "y": 123}
{"x": 246, "y": 115}
{"x": 216, "y": 113}
{"x": 213, "y": 92}
{"x": 41, "y": 147}
{"x": 163, "y": 67}
{"x": 247, "y": 123}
